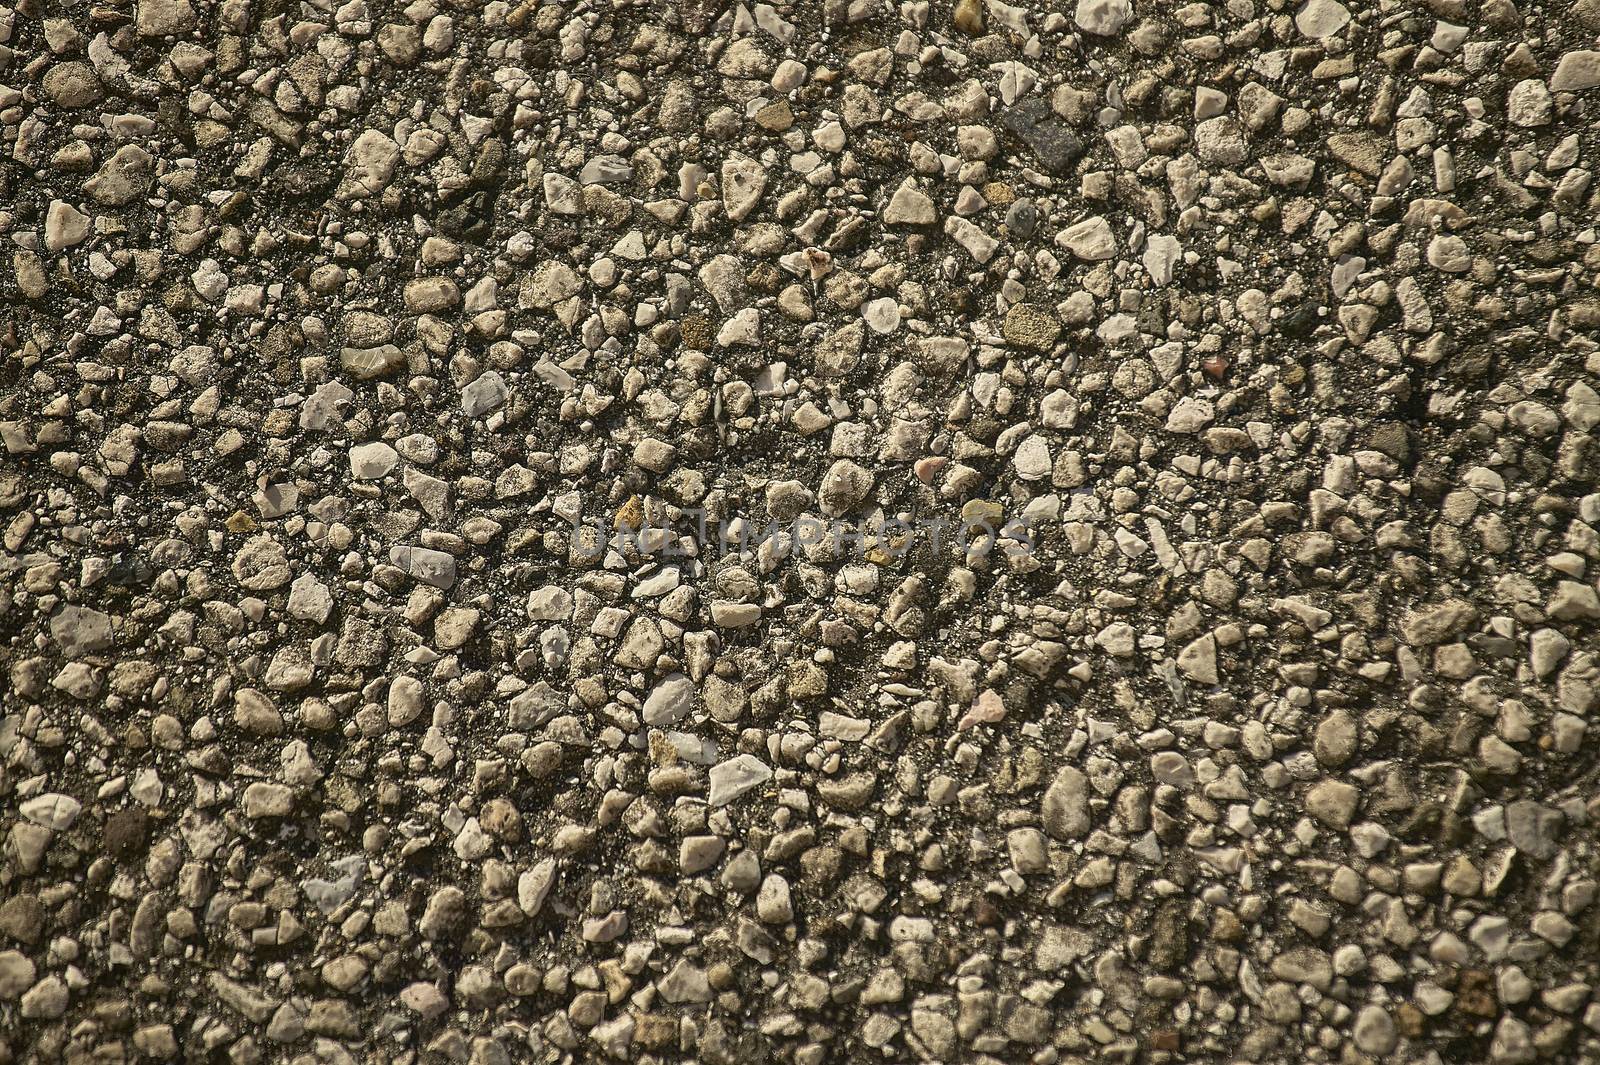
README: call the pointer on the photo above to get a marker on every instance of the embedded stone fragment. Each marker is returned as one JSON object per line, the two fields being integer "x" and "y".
{"x": 65, "y": 226}
{"x": 736, "y": 777}
{"x": 1030, "y": 326}
{"x": 1090, "y": 239}
{"x": 163, "y": 18}
{"x": 743, "y": 181}
{"x": 1578, "y": 70}
{"x": 1321, "y": 18}
{"x": 1065, "y": 810}
{"x": 909, "y": 206}
{"x": 1103, "y": 17}
{"x": 366, "y": 364}
{"x": 80, "y": 631}
{"x": 670, "y": 701}
{"x": 1052, "y": 142}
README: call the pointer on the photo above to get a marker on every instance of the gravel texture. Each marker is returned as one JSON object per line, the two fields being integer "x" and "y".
{"x": 327, "y": 735}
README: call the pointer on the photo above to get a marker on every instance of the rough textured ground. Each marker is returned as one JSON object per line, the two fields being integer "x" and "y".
{"x": 325, "y": 738}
